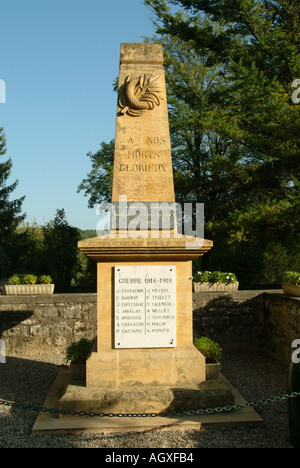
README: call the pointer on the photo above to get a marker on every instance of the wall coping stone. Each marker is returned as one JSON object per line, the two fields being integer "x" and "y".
{"x": 69, "y": 298}
{"x": 49, "y": 299}
{"x": 240, "y": 295}
{"x": 284, "y": 296}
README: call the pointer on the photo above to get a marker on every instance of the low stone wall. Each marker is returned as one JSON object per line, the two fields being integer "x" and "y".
{"x": 46, "y": 324}
{"x": 235, "y": 320}
{"x": 282, "y": 325}
{"x": 249, "y": 320}
{"x": 241, "y": 320}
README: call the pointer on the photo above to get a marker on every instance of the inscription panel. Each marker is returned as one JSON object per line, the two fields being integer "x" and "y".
{"x": 145, "y": 306}
{"x": 142, "y": 156}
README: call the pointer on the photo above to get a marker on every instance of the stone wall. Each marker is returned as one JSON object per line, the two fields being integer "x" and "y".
{"x": 282, "y": 325}
{"x": 249, "y": 320}
{"x": 46, "y": 324}
{"x": 235, "y": 320}
{"x": 241, "y": 320}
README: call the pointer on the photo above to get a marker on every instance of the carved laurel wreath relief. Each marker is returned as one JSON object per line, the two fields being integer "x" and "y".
{"x": 139, "y": 94}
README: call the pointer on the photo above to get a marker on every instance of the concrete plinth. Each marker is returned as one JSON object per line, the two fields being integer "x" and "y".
{"x": 146, "y": 367}
{"x": 139, "y": 399}
{"x": 49, "y": 423}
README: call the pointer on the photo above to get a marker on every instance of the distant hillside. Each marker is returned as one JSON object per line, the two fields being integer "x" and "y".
{"x": 87, "y": 233}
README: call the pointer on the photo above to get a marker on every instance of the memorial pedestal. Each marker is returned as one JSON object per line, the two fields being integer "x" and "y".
{"x": 145, "y": 359}
{"x": 139, "y": 399}
{"x": 163, "y": 363}
{"x": 147, "y": 379}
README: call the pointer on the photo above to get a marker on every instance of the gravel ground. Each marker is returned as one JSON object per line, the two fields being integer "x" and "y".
{"x": 255, "y": 376}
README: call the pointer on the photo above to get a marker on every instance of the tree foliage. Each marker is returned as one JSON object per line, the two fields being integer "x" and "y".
{"x": 27, "y": 248}
{"x": 60, "y": 250}
{"x": 230, "y": 65}
{"x": 10, "y": 210}
{"x": 98, "y": 184}
{"x": 240, "y": 148}
{"x": 10, "y": 213}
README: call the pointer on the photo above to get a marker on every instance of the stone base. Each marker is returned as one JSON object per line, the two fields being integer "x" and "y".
{"x": 154, "y": 367}
{"x": 50, "y": 423}
{"x": 145, "y": 381}
{"x": 145, "y": 399}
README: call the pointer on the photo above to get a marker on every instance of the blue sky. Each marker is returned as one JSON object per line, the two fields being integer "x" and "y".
{"x": 58, "y": 61}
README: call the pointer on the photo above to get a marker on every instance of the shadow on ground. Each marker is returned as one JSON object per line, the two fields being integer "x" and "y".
{"x": 25, "y": 381}
{"x": 255, "y": 375}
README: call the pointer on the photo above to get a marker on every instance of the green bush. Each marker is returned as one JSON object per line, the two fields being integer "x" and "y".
{"x": 29, "y": 279}
{"x": 45, "y": 279}
{"x": 209, "y": 348}
{"x": 14, "y": 279}
{"x": 214, "y": 277}
{"x": 78, "y": 352}
{"x": 291, "y": 277}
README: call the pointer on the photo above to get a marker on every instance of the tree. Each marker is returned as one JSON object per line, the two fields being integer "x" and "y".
{"x": 10, "y": 216}
{"x": 204, "y": 162}
{"x": 10, "y": 212}
{"x": 30, "y": 249}
{"x": 60, "y": 250}
{"x": 85, "y": 279}
{"x": 253, "y": 48}
{"x": 234, "y": 128}
{"x": 98, "y": 184}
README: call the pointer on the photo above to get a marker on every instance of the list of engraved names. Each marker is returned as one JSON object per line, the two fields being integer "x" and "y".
{"x": 145, "y": 306}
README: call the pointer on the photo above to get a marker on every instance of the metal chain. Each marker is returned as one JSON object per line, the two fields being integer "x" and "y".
{"x": 218, "y": 409}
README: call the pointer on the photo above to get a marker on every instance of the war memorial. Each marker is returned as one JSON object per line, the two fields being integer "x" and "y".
{"x": 143, "y": 362}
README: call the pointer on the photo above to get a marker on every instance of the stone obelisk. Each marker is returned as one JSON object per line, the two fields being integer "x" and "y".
{"x": 142, "y": 164}
{"x": 145, "y": 359}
